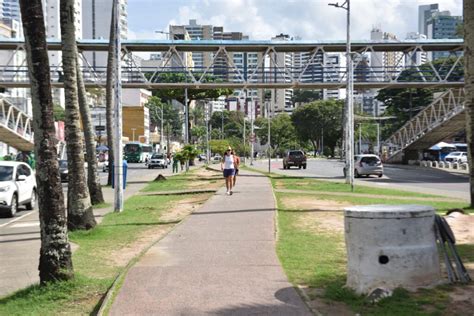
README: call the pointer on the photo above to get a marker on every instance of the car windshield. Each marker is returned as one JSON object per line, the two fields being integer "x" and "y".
{"x": 157, "y": 157}
{"x": 455, "y": 154}
{"x": 296, "y": 153}
{"x": 63, "y": 164}
{"x": 6, "y": 173}
{"x": 370, "y": 160}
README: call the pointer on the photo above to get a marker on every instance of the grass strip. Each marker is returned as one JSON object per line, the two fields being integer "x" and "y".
{"x": 314, "y": 257}
{"x": 99, "y": 258}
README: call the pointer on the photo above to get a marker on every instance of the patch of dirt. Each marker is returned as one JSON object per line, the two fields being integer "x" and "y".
{"x": 203, "y": 172}
{"x": 123, "y": 256}
{"x": 184, "y": 207}
{"x": 462, "y": 226}
{"x": 311, "y": 203}
{"x": 330, "y": 222}
{"x": 176, "y": 213}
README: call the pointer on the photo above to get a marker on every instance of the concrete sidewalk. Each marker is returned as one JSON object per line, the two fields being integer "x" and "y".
{"x": 220, "y": 261}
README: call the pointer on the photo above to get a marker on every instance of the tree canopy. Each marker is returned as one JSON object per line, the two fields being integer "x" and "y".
{"x": 319, "y": 118}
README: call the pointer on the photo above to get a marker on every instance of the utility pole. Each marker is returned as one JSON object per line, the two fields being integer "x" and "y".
{"x": 252, "y": 137}
{"x": 186, "y": 117}
{"x": 186, "y": 122}
{"x": 349, "y": 110}
{"x": 378, "y": 139}
{"x": 118, "y": 150}
{"x": 208, "y": 149}
{"x": 161, "y": 130}
{"x": 269, "y": 138}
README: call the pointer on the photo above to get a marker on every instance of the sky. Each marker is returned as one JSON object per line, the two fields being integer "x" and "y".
{"x": 263, "y": 19}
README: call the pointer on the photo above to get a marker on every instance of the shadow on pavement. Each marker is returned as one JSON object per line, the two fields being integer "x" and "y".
{"x": 236, "y": 211}
{"x": 292, "y": 306}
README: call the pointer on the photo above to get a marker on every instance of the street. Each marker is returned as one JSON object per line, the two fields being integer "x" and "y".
{"x": 410, "y": 178}
{"x": 20, "y": 239}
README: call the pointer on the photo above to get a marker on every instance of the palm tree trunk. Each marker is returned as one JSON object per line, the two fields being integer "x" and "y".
{"x": 80, "y": 214}
{"x": 109, "y": 98}
{"x": 469, "y": 87}
{"x": 93, "y": 182}
{"x": 55, "y": 254}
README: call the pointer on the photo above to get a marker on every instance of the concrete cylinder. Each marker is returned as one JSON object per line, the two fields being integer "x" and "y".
{"x": 390, "y": 246}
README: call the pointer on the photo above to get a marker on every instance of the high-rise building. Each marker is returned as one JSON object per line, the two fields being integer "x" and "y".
{"x": 332, "y": 64}
{"x": 10, "y": 9}
{"x": 424, "y": 14}
{"x": 53, "y": 31}
{"x": 417, "y": 58}
{"x": 437, "y": 24}
{"x": 281, "y": 98}
{"x": 96, "y": 17}
{"x": 385, "y": 65}
{"x": 202, "y": 60}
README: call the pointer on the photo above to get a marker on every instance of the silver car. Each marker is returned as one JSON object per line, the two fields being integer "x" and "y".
{"x": 366, "y": 165}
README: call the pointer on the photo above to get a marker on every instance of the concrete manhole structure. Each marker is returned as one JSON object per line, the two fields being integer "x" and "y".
{"x": 390, "y": 246}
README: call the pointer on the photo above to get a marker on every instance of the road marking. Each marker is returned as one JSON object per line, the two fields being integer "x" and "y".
{"x": 16, "y": 219}
{"x": 20, "y": 225}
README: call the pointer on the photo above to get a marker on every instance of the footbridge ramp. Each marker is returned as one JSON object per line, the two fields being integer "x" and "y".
{"x": 15, "y": 127}
{"x": 443, "y": 118}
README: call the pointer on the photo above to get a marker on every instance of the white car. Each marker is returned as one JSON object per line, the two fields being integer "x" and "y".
{"x": 17, "y": 187}
{"x": 456, "y": 156}
{"x": 158, "y": 160}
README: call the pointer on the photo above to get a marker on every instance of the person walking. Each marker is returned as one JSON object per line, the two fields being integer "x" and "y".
{"x": 175, "y": 164}
{"x": 227, "y": 166}
{"x": 236, "y": 165}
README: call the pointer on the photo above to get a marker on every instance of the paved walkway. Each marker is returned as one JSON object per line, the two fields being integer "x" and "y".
{"x": 220, "y": 261}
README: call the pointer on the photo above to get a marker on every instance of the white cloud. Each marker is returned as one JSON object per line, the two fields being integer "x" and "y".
{"x": 310, "y": 19}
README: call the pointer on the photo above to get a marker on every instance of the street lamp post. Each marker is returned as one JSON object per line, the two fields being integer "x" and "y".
{"x": 349, "y": 110}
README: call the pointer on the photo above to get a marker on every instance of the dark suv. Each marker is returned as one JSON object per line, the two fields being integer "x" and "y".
{"x": 295, "y": 158}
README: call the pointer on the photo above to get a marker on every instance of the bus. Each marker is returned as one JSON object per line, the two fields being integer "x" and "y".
{"x": 137, "y": 152}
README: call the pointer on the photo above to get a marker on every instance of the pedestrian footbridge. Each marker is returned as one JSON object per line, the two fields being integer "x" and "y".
{"x": 15, "y": 127}
{"x": 443, "y": 118}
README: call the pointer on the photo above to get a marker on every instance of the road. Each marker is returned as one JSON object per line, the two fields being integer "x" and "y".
{"x": 410, "y": 178}
{"x": 20, "y": 239}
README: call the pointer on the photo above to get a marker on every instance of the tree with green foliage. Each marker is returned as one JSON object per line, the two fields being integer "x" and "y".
{"x": 283, "y": 135}
{"x": 172, "y": 123}
{"x": 58, "y": 113}
{"x": 320, "y": 119}
{"x": 306, "y": 96}
{"x": 189, "y": 153}
{"x": 233, "y": 123}
{"x": 219, "y": 146}
{"x": 403, "y": 104}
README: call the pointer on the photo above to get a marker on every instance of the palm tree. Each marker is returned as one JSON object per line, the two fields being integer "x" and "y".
{"x": 93, "y": 182}
{"x": 109, "y": 98}
{"x": 80, "y": 214}
{"x": 55, "y": 254}
{"x": 469, "y": 86}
